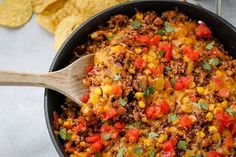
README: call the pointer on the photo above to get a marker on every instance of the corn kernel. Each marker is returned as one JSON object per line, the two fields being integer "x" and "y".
{"x": 144, "y": 57}
{"x": 147, "y": 142}
{"x": 131, "y": 71}
{"x": 138, "y": 50}
{"x": 139, "y": 95}
{"x": 93, "y": 35}
{"x": 147, "y": 72}
{"x": 217, "y": 109}
{"x": 219, "y": 73}
{"x": 150, "y": 58}
{"x": 106, "y": 89}
{"x": 164, "y": 37}
{"x": 106, "y": 108}
{"x": 151, "y": 65}
{"x": 185, "y": 99}
{"x": 109, "y": 34}
{"x": 186, "y": 108}
{"x": 200, "y": 90}
{"x": 67, "y": 124}
{"x": 215, "y": 136}
{"x": 161, "y": 139}
{"x": 193, "y": 118}
{"x": 211, "y": 107}
{"x": 60, "y": 121}
{"x": 212, "y": 129}
{"x": 139, "y": 16}
{"x": 209, "y": 116}
{"x": 192, "y": 85}
{"x": 82, "y": 144}
{"x": 94, "y": 99}
{"x": 224, "y": 104}
{"x": 144, "y": 119}
{"x": 97, "y": 91}
{"x": 189, "y": 153}
{"x": 201, "y": 134}
{"x": 186, "y": 59}
{"x": 141, "y": 104}
{"x": 173, "y": 129}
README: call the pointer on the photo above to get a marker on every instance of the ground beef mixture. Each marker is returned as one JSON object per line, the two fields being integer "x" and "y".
{"x": 160, "y": 86}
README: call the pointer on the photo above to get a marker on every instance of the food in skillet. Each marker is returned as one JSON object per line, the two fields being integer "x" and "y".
{"x": 159, "y": 86}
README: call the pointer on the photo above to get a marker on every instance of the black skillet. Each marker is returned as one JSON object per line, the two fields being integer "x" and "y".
{"x": 222, "y": 30}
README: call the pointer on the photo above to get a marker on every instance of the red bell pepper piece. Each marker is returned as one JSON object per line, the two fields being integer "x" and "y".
{"x": 88, "y": 69}
{"x": 97, "y": 146}
{"x": 139, "y": 63}
{"x": 132, "y": 135}
{"x": 167, "y": 48}
{"x": 155, "y": 40}
{"x": 164, "y": 106}
{"x": 202, "y": 31}
{"x": 111, "y": 113}
{"x": 191, "y": 53}
{"x": 213, "y": 154}
{"x": 93, "y": 138}
{"x": 116, "y": 90}
{"x": 224, "y": 93}
{"x": 85, "y": 98}
{"x": 185, "y": 121}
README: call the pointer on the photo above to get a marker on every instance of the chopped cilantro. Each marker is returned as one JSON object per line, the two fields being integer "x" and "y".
{"x": 138, "y": 151}
{"x": 151, "y": 153}
{"x": 116, "y": 77}
{"x": 160, "y": 32}
{"x": 201, "y": 105}
{"x": 167, "y": 69}
{"x": 214, "y": 61}
{"x": 168, "y": 28}
{"x": 172, "y": 118}
{"x": 106, "y": 137}
{"x": 123, "y": 102}
{"x": 182, "y": 145}
{"x": 172, "y": 81}
{"x": 135, "y": 125}
{"x": 135, "y": 24}
{"x": 120, "y": 152}
{"x": 149, "y": 91}
{"x": 230, "y": 111}
{"x": 97, "y": 154}
{"x": 210, "y": 45}
{"x": 161, "y": 53}
{"x": 152, "y": 135}
{"x": 206, "y": 66}
{"x": 64, "y": 135}
{"x": 219, "y": 142}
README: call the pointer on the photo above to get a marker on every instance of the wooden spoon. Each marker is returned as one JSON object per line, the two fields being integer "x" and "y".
{"x": 67, "y": 81}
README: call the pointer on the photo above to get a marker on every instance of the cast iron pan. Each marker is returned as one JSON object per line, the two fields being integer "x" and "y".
{"x": 222, "y": 30}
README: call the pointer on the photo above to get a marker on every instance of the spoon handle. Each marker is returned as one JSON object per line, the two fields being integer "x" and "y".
{"x": 8, "y": 78}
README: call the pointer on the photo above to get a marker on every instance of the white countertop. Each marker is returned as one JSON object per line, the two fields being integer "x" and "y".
{"x": 23, "y": 131}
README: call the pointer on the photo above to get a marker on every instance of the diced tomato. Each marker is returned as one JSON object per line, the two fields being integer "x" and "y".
{"x": 186, "y": 80}
{"x": 165, "y": 107}
{"x": 145, "y": 50}
{"x": 111, "y": 113}
{"x": 185, "y": 121}
{"x": 55, "y": 120}
{"x": 224, "y": 119}
{"x": 233, "y": 129}
{"x": 224, "y": 93}
{"x": 155, "y": 39}
{"x": 142, "y": 39}
{"x": 97, "y": 146}
{"x": 150, "y": 112}
{"x": 218, "y": 82}
{"x": 167, "y": 146}
{"x": 167, "y": 83}
{"x": 85, "y": 98}
{"x": 178, "y": 85}
{"x": 202, "y": 31}
{"x": 116, "y": 90}
{"x": 157, "y": 71}
{"x": 167, "y": 48}
{"x": 139, "y": 63}
{"x": 173, "y": 141}
{"x": 119, "y": 125}
{"x": 213, "y": 154}
{"x": 81, "y": 125}
{"x": 168, "y": 153}
{"x": 229, "y": 141}
{"x": 88, "y": 69}
{"x": 109, "y": 129}
{"x": 191, "y": 53}
{"x": 132, "y": 135}
{"x": 93, "y": 138}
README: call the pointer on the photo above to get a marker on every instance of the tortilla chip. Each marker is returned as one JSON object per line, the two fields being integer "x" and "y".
{"x": 14, "y": 13}
{"x": 47, "y": 18}
{"x": 40, "y": 5}
{"x": 65, "y": 28}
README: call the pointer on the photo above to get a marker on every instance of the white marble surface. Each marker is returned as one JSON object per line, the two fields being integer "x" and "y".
{"x": 23, "y": 131}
